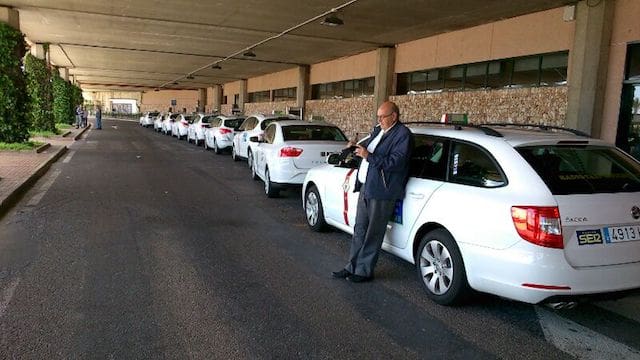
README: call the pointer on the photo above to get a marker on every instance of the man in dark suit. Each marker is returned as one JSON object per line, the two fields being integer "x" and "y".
{"x": 381, "y": 180}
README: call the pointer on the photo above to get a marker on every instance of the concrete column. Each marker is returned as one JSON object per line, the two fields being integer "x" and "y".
{"x": 38, "y": 51}
{"x": 202, "y": 99}
{"x": 303, "y": 92}
{"x": 64, "y": 73}
{"x": 244, "y": 95}
{"x": 217, "y": 98}
{"x": 385, "y": 67}
{"x": 588, "y": 65}
{"x": 10, "y": 16}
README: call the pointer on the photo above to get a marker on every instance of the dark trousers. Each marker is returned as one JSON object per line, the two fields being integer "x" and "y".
{"x": 372, "y": 217}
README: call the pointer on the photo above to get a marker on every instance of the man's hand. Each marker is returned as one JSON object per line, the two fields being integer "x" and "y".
{"x": 362, "y": 151}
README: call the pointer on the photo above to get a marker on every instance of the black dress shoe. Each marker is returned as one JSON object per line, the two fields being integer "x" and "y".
{"x": 358, "y": 278}
{"x": 342, "y": 274}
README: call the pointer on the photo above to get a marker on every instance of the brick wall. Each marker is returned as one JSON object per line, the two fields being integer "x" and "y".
{"x": 351, "y": 114}
{"x": 546, "y": 105}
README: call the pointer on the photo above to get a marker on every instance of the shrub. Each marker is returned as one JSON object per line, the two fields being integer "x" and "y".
{"x": 38, "y": 77}
{"x": 14, "y": 126}
{"x": 63, "y": 107}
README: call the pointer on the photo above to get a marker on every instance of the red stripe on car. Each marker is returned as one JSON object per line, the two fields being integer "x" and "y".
{"x": 345, "y": 196}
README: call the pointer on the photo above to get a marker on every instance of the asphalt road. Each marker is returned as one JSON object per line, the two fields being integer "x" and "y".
{"x": 140, "y": 246}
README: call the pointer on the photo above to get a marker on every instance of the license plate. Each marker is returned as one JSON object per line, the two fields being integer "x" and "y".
{"x": 621, "y": 233}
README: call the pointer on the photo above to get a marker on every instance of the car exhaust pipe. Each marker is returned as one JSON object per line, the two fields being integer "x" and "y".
{"x": 562, "y": 305}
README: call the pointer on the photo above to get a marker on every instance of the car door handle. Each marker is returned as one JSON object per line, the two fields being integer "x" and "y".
{"x": 416, "y": 195}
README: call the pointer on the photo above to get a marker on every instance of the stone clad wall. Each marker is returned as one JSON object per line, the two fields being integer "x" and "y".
{"x": 267, "y": 107}
{"x": 547, "y": 105}
{"x": 352, "y": 115}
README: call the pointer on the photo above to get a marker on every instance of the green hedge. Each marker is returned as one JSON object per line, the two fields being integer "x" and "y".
{"x": 63, "y": 107}
{"x": 40, "y": 112}
{"x": 14, "y": 125}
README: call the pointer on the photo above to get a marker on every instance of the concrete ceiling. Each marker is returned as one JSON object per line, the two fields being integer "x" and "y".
{"x": 146, "y": 44}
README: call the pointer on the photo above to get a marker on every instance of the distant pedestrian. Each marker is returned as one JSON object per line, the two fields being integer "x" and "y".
{"x": 98, "y": 118}
{"x": 79, "y": 112}
{"x": 85, "y": 115}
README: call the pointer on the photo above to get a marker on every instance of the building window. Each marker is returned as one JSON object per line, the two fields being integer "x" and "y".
{"x": 224, "y": 100}
{"x": 527, "y": 71}
{"x": 260, "y": 96}
{"x": 284, "y": 94}
{"x": 343, "y": 89}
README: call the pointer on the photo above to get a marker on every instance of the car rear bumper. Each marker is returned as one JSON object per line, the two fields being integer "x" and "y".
{"x": 532, "y": 274}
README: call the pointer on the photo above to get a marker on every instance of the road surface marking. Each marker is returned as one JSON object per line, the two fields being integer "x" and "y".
{"x": 579, "y": 341}
{"x": 7, "y": 295}
{"x": 43, "y": 189}
{"x": 68, "y": 157}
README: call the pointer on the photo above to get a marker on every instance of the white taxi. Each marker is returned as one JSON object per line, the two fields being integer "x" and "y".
{"x": 530, "y": 213}
{"x": 253, "y": 125}
{"x": 289, "y": 148}
{"x": 221, "y": 132}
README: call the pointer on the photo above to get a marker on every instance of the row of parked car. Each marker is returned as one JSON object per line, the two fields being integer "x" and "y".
{"x": 532, "y": 213}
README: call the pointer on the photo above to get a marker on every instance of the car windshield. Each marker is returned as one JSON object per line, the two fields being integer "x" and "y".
{"x": 312, "y": 132}
{"x": 583, "y": 169}
{"x": 233, "y": 123}
{"x": 207, "y": 119}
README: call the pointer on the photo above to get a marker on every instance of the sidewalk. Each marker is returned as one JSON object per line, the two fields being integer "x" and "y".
{"x": 19, "y": 170}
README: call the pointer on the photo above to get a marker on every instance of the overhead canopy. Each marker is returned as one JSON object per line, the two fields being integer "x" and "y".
{"x": 147, "y": 44}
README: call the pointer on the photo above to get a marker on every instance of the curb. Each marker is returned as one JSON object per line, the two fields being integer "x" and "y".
{"x": 82, "y": 132}
{"x": 66, "y": 134}
{"x": 10, "y": 200}
{"x": 43, "y": 147}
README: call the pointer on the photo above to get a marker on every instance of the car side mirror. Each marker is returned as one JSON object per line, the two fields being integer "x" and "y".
{"x": 255, "y": 139}
{"x": 333, "y": 159}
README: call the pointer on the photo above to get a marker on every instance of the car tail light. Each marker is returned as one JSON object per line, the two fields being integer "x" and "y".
{"x": 224, "y": 131}
{"x": 184, "y": 123}
{"x": 539, "y": 225}
{"x": 290, "y": 151}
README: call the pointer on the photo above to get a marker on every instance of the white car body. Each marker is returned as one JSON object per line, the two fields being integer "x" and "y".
{"x": 197, "y": 128}
{"x": 253, "y": 125}
{"x": 157, "y": 123}
{"x": 180, "y": 127}
{"x": 148, "y": 118}
{"x": 289, "y": 148}
{"x": 220, "y": 134}
{"x": 481, "y": 218}
{"x": 167, "y": 123}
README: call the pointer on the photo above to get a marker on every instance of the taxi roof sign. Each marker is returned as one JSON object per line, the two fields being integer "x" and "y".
{"x": 452, "y": 118}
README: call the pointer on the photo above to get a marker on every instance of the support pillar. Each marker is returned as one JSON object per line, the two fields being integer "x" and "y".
{"x": 244, "y": 95}
{"x": 202, "y": 99}
{"x": 38, "y": 51}
{"x": 385, "y": 67}
{"x": 217, "y": 98}
{"x": 10, "y": 16}
{"x": 588, "y": 66}
{"x": 64, "y": 73}
{"x": 303, "y": 92}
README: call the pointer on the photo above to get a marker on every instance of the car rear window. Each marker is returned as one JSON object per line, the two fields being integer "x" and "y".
{"x": 312, "y": 132}
{"x": 154, "y": 113}
{"x": 583, "y": 169}
{"x": 207, "y": 119}
{"x": 234, "y": 123}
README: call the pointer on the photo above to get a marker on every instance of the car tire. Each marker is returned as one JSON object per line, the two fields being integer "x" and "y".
{"x": 205, "y": 144}
{"x": 216, "y": 149}
{"x": 440, "y": 268}
{"x": 234, "y": 155}
{"x": 269, "y": 187}
{"x": 249, "y": 158}
{"x": 313, "y": 210}
{"x": 254, "y": 174}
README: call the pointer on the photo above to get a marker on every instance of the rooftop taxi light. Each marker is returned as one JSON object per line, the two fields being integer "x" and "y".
{"x": 451, "y": 118}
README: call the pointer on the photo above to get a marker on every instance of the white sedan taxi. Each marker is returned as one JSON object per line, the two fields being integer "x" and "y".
{"x": 288, "y": 149}
{"x": 530, "y": 213}
{"x": 253, "y": 125}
